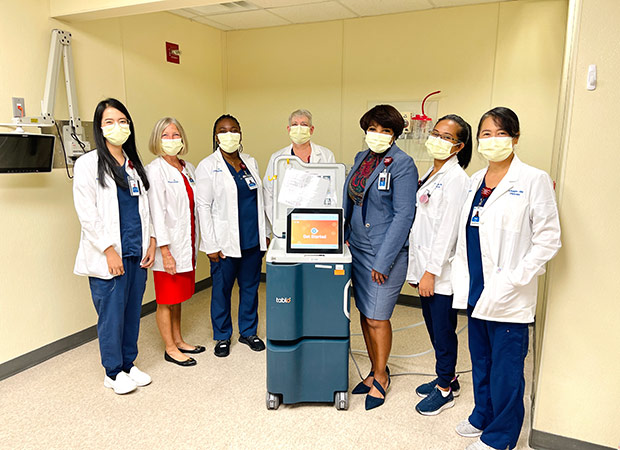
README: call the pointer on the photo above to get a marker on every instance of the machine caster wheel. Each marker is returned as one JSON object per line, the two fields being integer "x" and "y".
{"x": 341, "y": 401}
{"x": 273, "y": 401}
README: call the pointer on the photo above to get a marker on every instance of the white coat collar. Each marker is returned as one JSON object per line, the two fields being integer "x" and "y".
{"x": 314, "y": 151}
{"x": 506, "y": 183}
{"x": 445, "y": 168}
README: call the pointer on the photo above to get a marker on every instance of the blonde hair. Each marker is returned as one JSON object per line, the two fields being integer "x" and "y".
{"x": 158, "y": 129}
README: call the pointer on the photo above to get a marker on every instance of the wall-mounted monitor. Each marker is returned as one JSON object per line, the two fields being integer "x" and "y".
{"x": 26, "y": 152}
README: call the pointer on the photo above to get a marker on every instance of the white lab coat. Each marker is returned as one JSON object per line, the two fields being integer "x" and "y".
{"x": 519, "y": 232}
{"x": 218, "y": 209}
{"x": 318, "y": 154}
{"x": 170, "y": 213}
{"x": 433, "y": 234}
{"x": 97, "y": 210}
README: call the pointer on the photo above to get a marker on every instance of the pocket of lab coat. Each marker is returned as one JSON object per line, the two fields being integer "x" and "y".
{"x": 503, "y": 297}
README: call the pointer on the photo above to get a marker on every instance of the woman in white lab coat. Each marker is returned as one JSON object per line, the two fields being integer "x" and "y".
{"x": 116, "y": 247}
{"x": 439, "y": 200}
{"x": 509, "y": 229}
{"x": 229, "y": 198}
{"x": 175, "y": 226}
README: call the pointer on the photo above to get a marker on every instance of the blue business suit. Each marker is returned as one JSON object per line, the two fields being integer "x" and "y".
{"x": 378, "y": 232}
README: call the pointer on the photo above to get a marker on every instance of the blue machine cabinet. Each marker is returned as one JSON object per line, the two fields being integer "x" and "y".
{"x": 308, "y": 334}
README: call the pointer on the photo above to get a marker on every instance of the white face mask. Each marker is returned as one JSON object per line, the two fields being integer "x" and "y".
{"x": 299, "y": 134}
{"x": 378, "y": 142}
{"x": 116, "y": 134}
{"x": 439, "y": 148}
{"x": 229, "y": 142}
{"x": 495, "y": 149}
{"x": 172, "y": 147}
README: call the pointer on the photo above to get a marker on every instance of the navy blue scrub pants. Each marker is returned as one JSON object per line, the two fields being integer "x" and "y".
{"x": 498, "y": 351}
{"x": 440, "y": 319}
{"x": 118, "y": 303}
{"x": 246, "y": 270}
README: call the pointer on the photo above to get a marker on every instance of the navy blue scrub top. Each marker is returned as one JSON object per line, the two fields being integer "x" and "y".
{"x": 474, "y": 258}
{"x": 248, "y": 211}
{"x": 129, "y": 214}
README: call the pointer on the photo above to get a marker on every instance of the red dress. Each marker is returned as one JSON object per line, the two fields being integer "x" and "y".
{"x": 174, "y": 289}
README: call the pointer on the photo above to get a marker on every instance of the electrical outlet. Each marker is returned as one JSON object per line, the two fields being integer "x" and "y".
{"x": 72, "y": 147}
{"x": 18, "y": 102}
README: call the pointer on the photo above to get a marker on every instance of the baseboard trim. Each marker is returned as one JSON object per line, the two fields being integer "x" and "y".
{"x": 541, "y": 440}
{"x": 42, "y": 354}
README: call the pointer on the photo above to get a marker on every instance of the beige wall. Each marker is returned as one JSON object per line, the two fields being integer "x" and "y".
{"x": 117, "y": 57}
{"x": 479, "y": 56}
{"x": 576, "y": 395}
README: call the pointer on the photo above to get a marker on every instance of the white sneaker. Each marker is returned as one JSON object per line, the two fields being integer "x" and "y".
{"x": 139, "y": 377}
{"x": 466, "y": 429}
{"x": 479, "y": 445}
{"x": 122, "y": 385}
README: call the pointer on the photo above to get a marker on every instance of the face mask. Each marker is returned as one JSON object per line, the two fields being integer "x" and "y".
{"x": 172, "y": 147}
{"x": 229, "y": 142}
{"x": 378, "y": 142}
{"x": 495, "y": 149}
{"x": 438, "y": 148}
{"x": 299, "y": 134}
{"x": 116, "y": 134}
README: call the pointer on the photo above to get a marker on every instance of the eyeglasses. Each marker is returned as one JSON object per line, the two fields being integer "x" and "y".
{"x": 444, "y": 137}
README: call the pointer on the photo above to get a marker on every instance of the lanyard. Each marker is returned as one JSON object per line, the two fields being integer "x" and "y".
{"x": 486, "y": 192}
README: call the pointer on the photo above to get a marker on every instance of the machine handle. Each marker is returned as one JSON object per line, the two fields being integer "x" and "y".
{"x": 345, "y": 298}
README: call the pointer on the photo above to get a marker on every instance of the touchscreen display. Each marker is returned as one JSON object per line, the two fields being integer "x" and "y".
{"x": 315, "y": 231}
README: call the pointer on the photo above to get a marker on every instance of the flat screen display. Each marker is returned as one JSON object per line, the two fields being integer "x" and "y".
{"x": 312, "y": 230}
{"x": 25, "y": 152}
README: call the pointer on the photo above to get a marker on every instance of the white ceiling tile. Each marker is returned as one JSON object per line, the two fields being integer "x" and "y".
{"x": 224, "y": 8}
{"x": 251, "y": 19}
{"x": 210, "y": 22}
{"x": 314, "y": 13}
{"x": 184, "y": 13}
{"x": 378, "y": 7}
{"x": 444, "y": 3}
{"x": 280, "y": 3}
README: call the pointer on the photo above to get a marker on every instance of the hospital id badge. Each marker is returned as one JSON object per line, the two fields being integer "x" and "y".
{"x": 134, "y": 187}
{"x": 384, "y": 181}
{"x": 475, "y": 216}
{"x": 249, "y": 179}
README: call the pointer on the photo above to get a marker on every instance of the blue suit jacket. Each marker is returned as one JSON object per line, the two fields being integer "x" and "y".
{"x": 388, "y": 215}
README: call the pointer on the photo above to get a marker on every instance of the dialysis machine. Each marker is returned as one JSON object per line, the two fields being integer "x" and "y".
{"x": 308, "y": 280}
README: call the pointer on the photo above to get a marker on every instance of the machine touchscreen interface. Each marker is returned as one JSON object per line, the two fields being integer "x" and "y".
{"x": 311, "y": 230}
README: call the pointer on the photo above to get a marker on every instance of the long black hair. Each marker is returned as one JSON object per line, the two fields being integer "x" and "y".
{"x": 222, "y": 117}
{"x": 464, "y": 136}
{"x": 107, "y": 163}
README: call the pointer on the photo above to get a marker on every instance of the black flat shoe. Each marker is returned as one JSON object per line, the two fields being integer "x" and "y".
{"x": 187, "y": 363}
{"x": 222, "y": 348}
{"x": 254, "y": 342}
{"x": 196, "y": 349}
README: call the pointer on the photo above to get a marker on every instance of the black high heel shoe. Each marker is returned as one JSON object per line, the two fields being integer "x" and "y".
{"x": 361, "y": 388}
{"x": 374, "y": 402}
{"x": 187, "y": 363}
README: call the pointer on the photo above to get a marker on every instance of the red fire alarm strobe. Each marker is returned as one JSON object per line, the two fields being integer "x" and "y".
{"x": 173, "y": 54}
